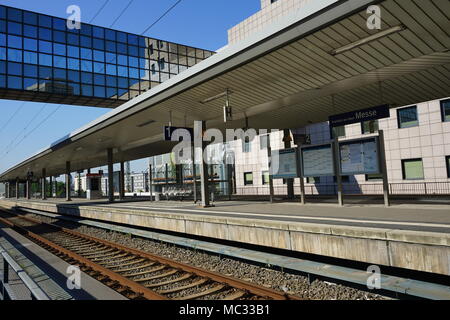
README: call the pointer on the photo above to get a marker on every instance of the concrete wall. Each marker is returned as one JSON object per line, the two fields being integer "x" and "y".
{"x": 423, "y": 251}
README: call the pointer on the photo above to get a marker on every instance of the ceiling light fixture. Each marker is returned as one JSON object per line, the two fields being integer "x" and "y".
{"x": 369, "y": 39}
{"x": 146, "y": 123}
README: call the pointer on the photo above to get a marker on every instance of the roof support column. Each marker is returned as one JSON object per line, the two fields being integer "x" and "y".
{"x": 199, "y": 129}
{"x": 150, "y": 180}
{"x": 287, "y": 144}
{"x": 44, "y": 185}
{"x": 28, "y": 187}
{"x": 122, "y": 181}
{"x": 17, "y": 188}
{"x": 68, "y": 182}
{"x": 50, "y": 184}
{"x": 110, "y": 175}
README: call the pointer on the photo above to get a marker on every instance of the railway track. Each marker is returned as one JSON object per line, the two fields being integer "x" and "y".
{"x": 134, "y": 273}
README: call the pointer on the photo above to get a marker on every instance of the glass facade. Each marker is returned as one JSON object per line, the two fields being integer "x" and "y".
{"x": 407, "y": 117}
{"x": 445, "y": 109}
{"x": 412, "y": 169}
{"x": 42, "y": 60}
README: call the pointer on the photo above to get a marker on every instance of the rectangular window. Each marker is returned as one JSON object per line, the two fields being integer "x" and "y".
{"x": 338, "y": 132}
{"x": 369, "y": 127}
{"x": 248, "y": 178}
{"x": 246, "y": 145}
{"x": 445, "y": 109}
{"x": 265, "y": 178}
{"x": 313, "y": 180}
{"x": 374, "y": 177}
{"x": 447, "y": 161}
{"x": 412, "y": 169}
{"x": 263, "y": 141}
{"x": 345, "y": 179}
{"x": 407, "y": 117}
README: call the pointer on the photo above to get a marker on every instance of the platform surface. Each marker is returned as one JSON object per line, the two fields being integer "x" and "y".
{"x": 415, "y": 217}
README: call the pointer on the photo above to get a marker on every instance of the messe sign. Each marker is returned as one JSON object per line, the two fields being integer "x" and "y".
{"x": 285, "y": 164}
{"x": 374, "y": 113}
{"x": 317, "y": 161}
{"x": 359, "y": 156}
{"x": 169, "y": 131}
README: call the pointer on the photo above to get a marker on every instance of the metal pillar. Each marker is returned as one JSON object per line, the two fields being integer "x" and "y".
{"x": 68, "y": 182}
{"x": 194, "y": 175}
{"x": 56, "y": 187}
{"x": 44, "y": 185}
{"x": 287, "y": 144}
{"x": 28, "y": 187}
{"x": 150, "y": 180}
{"x": 50, "y": 184}
{"x": 199, "y": 129}
{"x": 269, "y": 158}
{"x": 337, "y": 170}
{"x": 382, "y": 159}
{"x": 110, "y": 175}
{"x": 122, "y": 181}
{"x": 17, "y": 189}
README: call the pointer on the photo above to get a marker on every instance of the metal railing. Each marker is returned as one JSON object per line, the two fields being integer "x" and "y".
{"x": 413, "y": 188}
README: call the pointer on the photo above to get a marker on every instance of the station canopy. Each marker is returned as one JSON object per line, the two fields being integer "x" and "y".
{"x": 319, "y": 61}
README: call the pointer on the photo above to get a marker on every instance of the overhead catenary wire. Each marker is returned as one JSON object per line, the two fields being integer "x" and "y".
{"x": 162, "y": 16}
{"x": 99, "y": 11}
{"x": 121, "y": 14}
{"x": 12, "y": 117}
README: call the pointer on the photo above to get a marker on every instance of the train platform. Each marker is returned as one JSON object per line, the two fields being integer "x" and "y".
{"x": 411, "y": 236}
{"x": 49, "y": 272}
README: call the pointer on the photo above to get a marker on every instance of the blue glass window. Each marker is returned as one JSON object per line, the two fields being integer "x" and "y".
{"x": 86, "y": 65}
{"x": 59, "y": 24}
{"x": 122, "y": 37}
{"x": 86, "y": 77}
{"x": 133, "y": 62}
{"x": 123, "y": 82}
{"x": 132, "y": 39}
{"x": 86, "y": 53}
{"x": 122, "y": 71}
{"x": 99, "y": 56}
{"x": 30, "y": 44}
{"x": 2, "y": 12}
{"x": 111, "y": 92}
{"x": 15, "y": 68}
{"x": 99, "y": 92}
{"x": 86, "y": 42}
{"x": 2, "y": 67}
{"x": 86, "y": 30}
{"x": 2, "y": 39}
{"x": 30, "y": 71}
{"x": 111, "y": 57}
{"x": 123, "y": 60}
{"x": 111, "y": 69}
{"x": 73, "y": 52}
{"x": 2, "y": 26}
{"x": 73, "y": 39}
{"x": 76, "y": 88}
{"x": 99, "y": 44}
{"x": 110, "y": 46}
{"x": 59, "y": 36}
{"x": 134, "y": 73}
{"x": 73, "y": 64}
{"x": 59, "y": 74}
{"x": 30, "y": 18}
{"x": 14, "y": 14}
{"x": 59, "y": 49}
{"x": 99, "y": 79}
{"x": 15, "y": 42}
{"x": 15, "y": 28}
{"x": 142, "y": 42}
{"x": 110, "y": 34}
{"x": 99, "y": 67}
{"x": 98, "y": 32}
{"x": 2, "y": 81}
{"x": 45, "y": 34}
{"x": 14, "y": 82}
{"x": 59, "y": 62}
{"x": 86, "y": 90}
{"x": 30, "y": 57}
{"x": 45, "y": 59}
{"x": 122, "y": 48}
{"x": 133, "y": 51}
{"x": 30, "y": 84}
{"x": 45, "y": 21}
{"x": 15, "y": 55}
{"x": 30, "y": 31}
{"x": 45, "y": 73}
{"x": 74, "y": 76}
{"x": 111, "y": 81}
{"x": 45, "y": 46}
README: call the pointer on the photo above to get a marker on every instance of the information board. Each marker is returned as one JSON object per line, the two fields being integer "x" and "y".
{"x": 285, "y": 164}
{"x": 359, "y": 157}
{"x": 317, "y": 161}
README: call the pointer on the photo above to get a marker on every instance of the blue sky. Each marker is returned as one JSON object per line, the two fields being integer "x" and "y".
{"x": 198, "y": 23}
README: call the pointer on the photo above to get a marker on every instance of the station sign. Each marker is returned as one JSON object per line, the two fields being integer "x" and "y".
{"x": 317, "y": 161}
{"x": 285, "y": 164}
{"x": 374, "y": 113}
{"x": 360, "y": 156}
{"x": 169, "y": 131}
